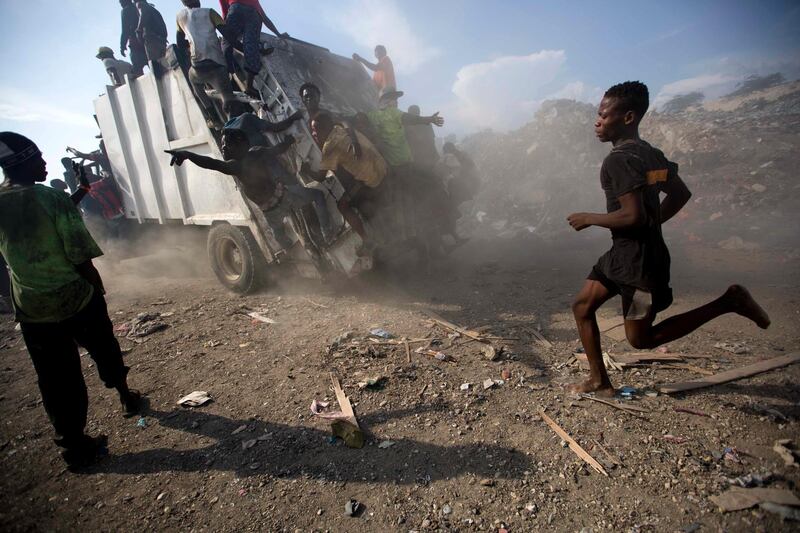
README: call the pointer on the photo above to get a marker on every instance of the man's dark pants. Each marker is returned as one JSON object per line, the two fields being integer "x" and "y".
{"x": 138, "y": 56}
{"x": 5, "y": 285}
{"x": 54, "y": 350}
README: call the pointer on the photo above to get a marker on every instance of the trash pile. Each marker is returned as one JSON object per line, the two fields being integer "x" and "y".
{"x": 738, "y": 155}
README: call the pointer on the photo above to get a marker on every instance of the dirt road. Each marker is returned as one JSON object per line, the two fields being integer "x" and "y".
{"x": 439, "y": 455}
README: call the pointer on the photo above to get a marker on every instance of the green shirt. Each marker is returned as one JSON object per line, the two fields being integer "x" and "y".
{"x": 42, "y": 238}
{"x": 388, "y": 124}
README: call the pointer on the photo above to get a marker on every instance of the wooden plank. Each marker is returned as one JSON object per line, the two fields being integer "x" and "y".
{"x": 453, "y": 327}
{"x": 344, "y": 401}
{"x": 408, "y": 352}
{"x": 542, "y": 339}
{"x": 574, "y": 446}
{"x": 732, "y": 375}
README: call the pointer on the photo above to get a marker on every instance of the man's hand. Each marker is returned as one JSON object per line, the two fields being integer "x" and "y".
{"x": 122, "y": 51}
{"x": 579, "y": 221}
{"x": 178, "y": 156}
{"x": 436, "y": 120}
{"x": 80, "y": 173}
{"x": 72, "y": 150}
{"x": 356, "y": 57}
{"x": 289, "y": 139}
{"x": 284, "y": 35}
{"x": 297, "y": 115}
{"x": 355, "y": 149}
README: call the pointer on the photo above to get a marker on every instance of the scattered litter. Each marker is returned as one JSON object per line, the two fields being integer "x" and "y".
{"x": 674, "y": 439}
{"x": 691, "y": 528}
{"x": 731, "y": 455}
{"x": 487, "y": 482}
{"x": 195, "y": 399}
{"x": 352, "y": 507}
{"x": 733, "y": 347}
{"x": 465, "y": 386}
{"x": 375, "y": 383}
{"x": 732, "y": 375}
{"x": 446, "y": 509}
{"x": 490, "y": 353}
{"x": 261, "y": 318}
{"x": 787, "y": 452}
{"x": 143, "y": 325}
{"x": 627, "y": 392}
{"x": 786, "y": 512}
{"x": 489, "y": 383}
{"x": 690, "y": 411}
{"x": 142, "y": 422}
{"x": 574, "y": 446}
{"x": 623, "y": 407}
{"x": 751, "y": 480}
{"x": 239, "y": 429}
{"x": 386, "y": 444}
{"x": 769, "y": 411}
{"x": 211, "y": 344}
{"x": 249, "y": 443}
{"x": 737, "y": 498}
{"x": 381, "y": 333}
{"x": 344, "y": 337}
{"x": 505, "y": 374}
{"x": 439, "y": 356}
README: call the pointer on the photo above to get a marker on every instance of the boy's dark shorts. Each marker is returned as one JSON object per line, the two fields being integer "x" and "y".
{"x": 637, "y": 304}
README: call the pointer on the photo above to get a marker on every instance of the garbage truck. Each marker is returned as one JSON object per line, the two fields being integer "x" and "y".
{"x": 161, "y": 110}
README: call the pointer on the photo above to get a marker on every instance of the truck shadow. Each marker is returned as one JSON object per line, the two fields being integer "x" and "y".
{"x": 291, "y": 452}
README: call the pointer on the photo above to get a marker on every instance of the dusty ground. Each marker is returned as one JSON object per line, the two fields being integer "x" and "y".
{"x": 187, "y": 469}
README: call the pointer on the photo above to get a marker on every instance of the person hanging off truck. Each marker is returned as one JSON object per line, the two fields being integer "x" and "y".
{"x": 57, "y": 295}
{"x": 637, "y": 267}
{"x": 264, "y": 181}
{"x": 243, "y": 20}
{"x": 382, "y": 71}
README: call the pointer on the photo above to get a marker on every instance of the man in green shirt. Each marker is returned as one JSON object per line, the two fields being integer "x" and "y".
{"x": 57, "y": 296}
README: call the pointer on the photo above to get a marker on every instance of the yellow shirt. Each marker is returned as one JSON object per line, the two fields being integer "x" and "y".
{"x": 370, "y": 168}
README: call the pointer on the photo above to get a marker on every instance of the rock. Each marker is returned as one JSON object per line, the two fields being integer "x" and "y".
{"x": 446, "y": 509}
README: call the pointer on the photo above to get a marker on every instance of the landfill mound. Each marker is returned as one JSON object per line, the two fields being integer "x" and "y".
{"x": 737, "y": 154}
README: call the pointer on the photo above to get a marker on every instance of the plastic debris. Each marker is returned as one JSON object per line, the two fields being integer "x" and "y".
{"x": 627, "y": 392}
{"x": 465, "y": 386}
{"x": 142, "y": 422}
{"x": 786, "y": 512}
{"x": 381, "y": 333}
{"x": 736, "y": 498}
{"x": 751, "y": 480}
{"x": 143, "y": 325}
{"x": 674, "y": 439}
{"x": 386, "y": 444}
{"x": 195, "y": 399}
{"x": 787, "y": 452}
{"x": 352, "y": 507}
{"x": 375, "y": 383}
{"x": 490, "y": 353}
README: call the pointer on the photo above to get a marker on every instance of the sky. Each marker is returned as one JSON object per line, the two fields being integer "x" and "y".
{"x": 481, "y": 64}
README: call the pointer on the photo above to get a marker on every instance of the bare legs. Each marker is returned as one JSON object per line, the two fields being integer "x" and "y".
{"x": 643, "y": 334}
{"x": 589, "y": 299}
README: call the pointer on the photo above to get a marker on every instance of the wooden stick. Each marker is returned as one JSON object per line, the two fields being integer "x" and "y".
{"x": 408, "y": 352}
{"x": 629, "y": 408}
{"x": 423, "y": 390}
{"x": 458, "y": 329}
{"x": 732, "y": 375}
{"x": 608, "y": 454}
{"x": 693, "y": 368}
{"x": 542, "y": 339}
{"x": 315, "y": 304}
{"x": 574, "y": 446}
{"x": 344, "y": 401}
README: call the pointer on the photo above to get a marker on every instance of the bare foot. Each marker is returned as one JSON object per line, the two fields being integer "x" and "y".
{"x": 604, "y": 390}
{"x": 743, "y": 304}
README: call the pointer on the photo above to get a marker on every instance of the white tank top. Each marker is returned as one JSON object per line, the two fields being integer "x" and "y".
{"x": 202, "y": 35}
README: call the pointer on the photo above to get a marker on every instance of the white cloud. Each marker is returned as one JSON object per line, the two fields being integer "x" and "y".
{"x": 577, "y": 90}
{"x": 504, "y": 93}
{"x": 19, "y": 106}
{"x": 711, "y": 85}
{"x": 373, "y": 22}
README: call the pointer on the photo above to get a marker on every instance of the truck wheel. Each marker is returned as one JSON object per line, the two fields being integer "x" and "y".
{"x": 235, "y": 258}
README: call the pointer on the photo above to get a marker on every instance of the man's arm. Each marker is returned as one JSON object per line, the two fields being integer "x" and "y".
{"x": 231, "y": 168}
{"x": 277, "y": 127}
{"x": 411, "y": 120}
{"x": 279, "y": 148}
{"x": 371, "y": 66}
{"x": 88, "y": 272}
{"x": 677, "y": 195}
{"x": 269, "y": 24}
{"x": 78, "y": 195}
{"x": 629, "y": 215}
{"x": 182, "y": 41}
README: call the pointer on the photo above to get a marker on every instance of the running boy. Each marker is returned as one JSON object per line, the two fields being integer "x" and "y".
{"x": 637, "y": 266}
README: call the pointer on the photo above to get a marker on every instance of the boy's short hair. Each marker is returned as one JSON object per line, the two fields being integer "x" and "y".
{"x": 308, "y": 86}
{"x": 630, "y": 96}
{"x": 235, "y": 134}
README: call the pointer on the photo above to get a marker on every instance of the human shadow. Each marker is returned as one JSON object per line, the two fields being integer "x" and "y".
{"x": 287, "y": 451}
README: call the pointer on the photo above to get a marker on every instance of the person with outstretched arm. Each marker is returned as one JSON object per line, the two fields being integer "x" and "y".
{"x": 259, "y": 171}
{"x": 637, "y": 267}
{"x": 382, "y": 71}
{"x": 57, "y": 294}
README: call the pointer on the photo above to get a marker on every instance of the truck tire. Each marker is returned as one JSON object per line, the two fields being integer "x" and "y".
{"x": 235, "y": 258}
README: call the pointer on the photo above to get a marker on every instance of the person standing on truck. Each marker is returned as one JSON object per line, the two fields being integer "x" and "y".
{"x": 152, "y": 31}
{"x": 637, "y": 267}
{"x": 383, "y": 70}
{"x": 116, "y": 68}
{"x": 197, "y": 30}
{"x": 263, "y": 179}
{"x": 243, "y": 19}
{"x": 57, "y": 295}
{"x": 128, "y": 38}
